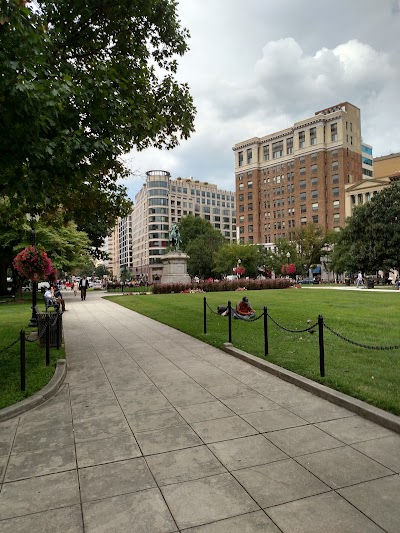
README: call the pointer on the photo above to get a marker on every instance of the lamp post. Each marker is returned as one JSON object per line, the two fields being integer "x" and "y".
{"x": 288, "y": 258}
{"x": 239, "y": 262}
{"x": 32, "y": 220}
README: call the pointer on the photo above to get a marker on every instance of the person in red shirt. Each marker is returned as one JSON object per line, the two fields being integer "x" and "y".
{"x": 243, "y": 308}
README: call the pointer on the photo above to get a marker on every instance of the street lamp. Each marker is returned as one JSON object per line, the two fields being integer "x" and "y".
{"x": 33, "y": 220}
{"x": 288, "y": 256}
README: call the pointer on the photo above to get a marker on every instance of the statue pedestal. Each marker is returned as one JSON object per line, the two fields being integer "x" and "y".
{"x": 175, "y": 268}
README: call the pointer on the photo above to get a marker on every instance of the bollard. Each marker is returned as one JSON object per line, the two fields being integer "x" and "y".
{"x": 229, "y": 322}
{"x": 22, "y": 359}
{"x": 321, "y": 346}
{"x": 47, "y": 339}
{"x": 205, "y": 315}
{"x": 265, "y": 332}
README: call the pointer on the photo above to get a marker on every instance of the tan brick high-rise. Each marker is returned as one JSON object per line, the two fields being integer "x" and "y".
{"x": 297, "y": 175}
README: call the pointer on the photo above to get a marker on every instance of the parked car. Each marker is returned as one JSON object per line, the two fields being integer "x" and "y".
{"x": 308, "y": 281}
{"x": 97, "y": 285}
{"x": 27, "y": 286}
{"x": 43, "y": 285}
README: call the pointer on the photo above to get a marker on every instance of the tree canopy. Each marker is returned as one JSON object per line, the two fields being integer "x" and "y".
{"x": 83, "y": 83}
{"x": 370, "y": 240}
{"x": 200, "y": 240}
{"x": 227, "y": 257}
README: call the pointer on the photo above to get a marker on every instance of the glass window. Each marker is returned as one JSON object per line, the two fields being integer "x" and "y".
{"x": 302, "y": 184}
{"x": 314, "y": 194}
{"x": 335, "y": 178}
{"x": 314, "y": 168}
{"x": 315, "y": 219}
{"x": 302, "y": 139}
{"x": 335, "y": 191}
{"x": 314, "y": 182}
{"x": 336, "y": 204}
{"x": 289, "y": 145}
{"x": 277, "y": 149}
{"x": 266, "y": 152}
{"x": 313, "y": 135}
{"x": 303, "y": 208}
{"x": 334, "y": 134}
{"x": 240, "y": 159}
{"x": 314, "y": 206}
{"x": 249, "y": 156}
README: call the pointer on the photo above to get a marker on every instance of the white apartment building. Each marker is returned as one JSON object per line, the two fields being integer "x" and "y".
{"x": 144, "y": 235}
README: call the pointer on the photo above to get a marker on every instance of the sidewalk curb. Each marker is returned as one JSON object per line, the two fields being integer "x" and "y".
{"x": 374, "y": 414}
{"x": 39, "y": 397}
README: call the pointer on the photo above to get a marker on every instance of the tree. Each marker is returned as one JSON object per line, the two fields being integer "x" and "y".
{"x": 82, "y": 84}
{"x": 200, "y": 240}
{"x": 311, "y": 240}
{"x": 371, "y": 239}
{"x": 226, "y": 259}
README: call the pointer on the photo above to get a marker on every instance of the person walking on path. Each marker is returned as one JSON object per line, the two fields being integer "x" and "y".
{"x": 76, "y": 286}
{"x": 360, "y": 280}
{"x": 83, "y": 285}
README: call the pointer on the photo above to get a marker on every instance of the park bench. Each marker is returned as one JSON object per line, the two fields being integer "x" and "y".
{"x": 48, "y": 303}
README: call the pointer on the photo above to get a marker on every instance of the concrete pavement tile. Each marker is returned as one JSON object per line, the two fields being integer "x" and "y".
{"x": 3, "y": 462}
{"x": 279, "y": 482}
{"x": 212, "y": 378}
{"x": 341, "y": 467}
{"x": 147, "y": 420}
{"x": 273, "y": 419}
{"x": 45, "y": 419}
{"x": 84, "y": 412}
{"x": 231, "y": 427}
{"x": 113, "y": 479}
{"x": 250, "y": 404}
{"x": 30, "y": 439}
{"x": 186, "y": 394}
{"x": 290, "y": 398}
{"x": 184, "y": 465}
{"x": 6, "y": 443}
{"x": 319, "y": 410}
{"x": 385, "y": 450}
{"x": 379, "y": 500}
{"x": 133, "y": 402}
{"x": 139, "y": 512}
{"x": 256, "y": 522}
{"x": 246, "y": 452}
{"x": 41, "y": 462}
{"x": 65, "y": 520}
{"x": 101, "y": 428}
{"x": 223, "y": 392}
{"x": 326, "y": 512}
{"x": 353, "y": 429}
{"x": 9, "y": 426}
{"x": 302, "y": 440}
{"x": 194, "y": 503}
{"x": 204, "y": 411}
{"x": 39, "y": 494}
{"x": 167, "y": 439}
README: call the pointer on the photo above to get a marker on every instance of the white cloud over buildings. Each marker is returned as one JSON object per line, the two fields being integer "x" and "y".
{"x": 255, "y": 67}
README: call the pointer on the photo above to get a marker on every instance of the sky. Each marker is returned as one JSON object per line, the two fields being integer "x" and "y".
{"x": 257, "y": 66}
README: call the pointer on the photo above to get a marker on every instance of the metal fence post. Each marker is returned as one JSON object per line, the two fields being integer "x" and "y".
{"x": 205, "y": 316}
{"x": 229, "y": 322}
{"x": 22, "y": 358}
{"x": 58, "y": 331}
{"x": 265, "y": 332}
{"x": 47, "y": 339}
{"x": 321, "y": 346}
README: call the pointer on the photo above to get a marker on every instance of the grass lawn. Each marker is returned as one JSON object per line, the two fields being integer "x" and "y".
{"x": 13, "y": 318}
{"x": 370, "y": 318}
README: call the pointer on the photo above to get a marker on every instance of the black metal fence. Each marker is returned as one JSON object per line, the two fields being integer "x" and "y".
{"x": 231, "y": 313}
{"x": 49, "y": 334}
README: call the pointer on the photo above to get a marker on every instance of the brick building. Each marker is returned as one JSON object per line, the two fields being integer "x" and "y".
{"x": 298, "y": 175}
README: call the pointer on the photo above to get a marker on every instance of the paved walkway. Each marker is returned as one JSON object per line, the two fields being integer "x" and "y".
{"x": 156, "y": 432}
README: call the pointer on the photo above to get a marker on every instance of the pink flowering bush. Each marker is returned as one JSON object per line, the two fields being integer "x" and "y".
{"x": 33, "y": 263}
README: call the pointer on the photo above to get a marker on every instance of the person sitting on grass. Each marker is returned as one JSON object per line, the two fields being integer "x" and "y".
{"x": 244, "y": 310}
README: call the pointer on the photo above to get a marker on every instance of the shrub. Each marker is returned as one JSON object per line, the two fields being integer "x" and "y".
{"x": 221, "y": 286}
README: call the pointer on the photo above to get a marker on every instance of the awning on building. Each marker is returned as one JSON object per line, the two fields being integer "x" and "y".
{"x": 316, "y": 270}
